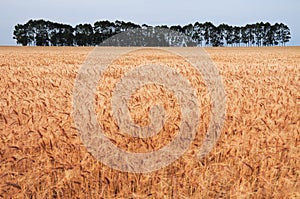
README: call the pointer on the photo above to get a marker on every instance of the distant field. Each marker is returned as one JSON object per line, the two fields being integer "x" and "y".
{"x": 257, "y": 155}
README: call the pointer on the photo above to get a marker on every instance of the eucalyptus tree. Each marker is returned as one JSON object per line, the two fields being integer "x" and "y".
{"x": 44, "y": 33}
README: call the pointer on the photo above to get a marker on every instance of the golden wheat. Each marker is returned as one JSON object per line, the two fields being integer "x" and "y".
{"x": 257, "y": 155}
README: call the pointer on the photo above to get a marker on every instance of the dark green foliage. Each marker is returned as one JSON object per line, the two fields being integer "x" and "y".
{"x": 46, "y": 33}
{"x": 84, "y": 35}
{"x": 21, "y": 35}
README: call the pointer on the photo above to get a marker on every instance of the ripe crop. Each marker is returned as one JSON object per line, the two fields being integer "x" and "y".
{"x": 256, "y": 156}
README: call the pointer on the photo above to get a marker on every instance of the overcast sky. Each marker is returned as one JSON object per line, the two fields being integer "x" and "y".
{"x": 152, "y": 12}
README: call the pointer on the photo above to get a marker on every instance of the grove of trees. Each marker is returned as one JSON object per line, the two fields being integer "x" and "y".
{"x": 47, "y": 33}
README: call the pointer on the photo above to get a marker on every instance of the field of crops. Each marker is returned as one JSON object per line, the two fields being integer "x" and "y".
{"x": 256, "y": 156}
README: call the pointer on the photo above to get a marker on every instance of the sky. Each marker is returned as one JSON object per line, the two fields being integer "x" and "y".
{"x": 151, "y": 12}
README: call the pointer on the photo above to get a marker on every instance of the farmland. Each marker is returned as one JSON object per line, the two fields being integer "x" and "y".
{"x": 256, "y": 156}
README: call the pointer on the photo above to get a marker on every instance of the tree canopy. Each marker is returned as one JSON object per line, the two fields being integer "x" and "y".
{"x": 47, "y": 33}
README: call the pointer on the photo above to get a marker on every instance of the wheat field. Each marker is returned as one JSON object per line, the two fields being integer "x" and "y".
{"x": 256, "y": 156}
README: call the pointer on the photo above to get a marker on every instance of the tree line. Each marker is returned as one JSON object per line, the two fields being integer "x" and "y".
{"x": 47, "y": 33}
